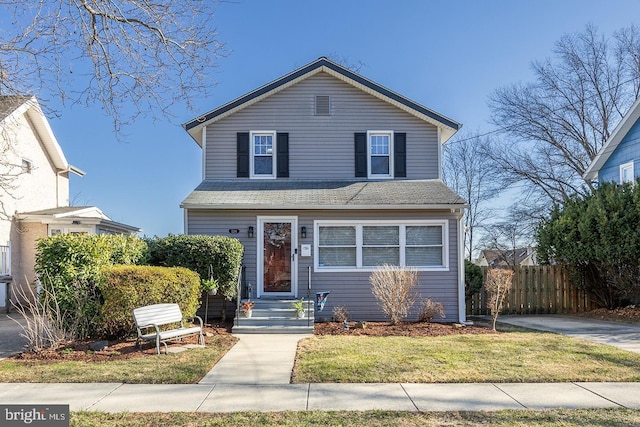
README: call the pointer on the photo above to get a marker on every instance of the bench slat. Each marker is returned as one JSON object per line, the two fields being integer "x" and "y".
{"x": 152, "y": 316}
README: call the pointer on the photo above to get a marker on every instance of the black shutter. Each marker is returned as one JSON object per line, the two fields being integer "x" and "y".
{"x": 282, "y": 159}
{"x": 360, "y": 139}
{"x": 243, "y": 154}
{"x": 400, "y": 155}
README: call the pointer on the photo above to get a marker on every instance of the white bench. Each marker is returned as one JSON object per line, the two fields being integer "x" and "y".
{"x": 148, "y": 319}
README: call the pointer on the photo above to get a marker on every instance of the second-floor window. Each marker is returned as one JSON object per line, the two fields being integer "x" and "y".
{"x": 380, "y": 154}
{"x": 626, "y": 173}
{"x": 263, "y": 149}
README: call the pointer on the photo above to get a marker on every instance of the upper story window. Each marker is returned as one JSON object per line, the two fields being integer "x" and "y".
{"x": 263, "y": 159}
{"x": 626, "y": 173}
{"x": 380, "y": 154}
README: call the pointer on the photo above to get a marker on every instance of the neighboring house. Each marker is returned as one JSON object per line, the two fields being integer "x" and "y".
{"x": 619, "y": 158}
{"x": 510, "y": 257}
{"x": 35, "y": 192}
{"x": 324, "y": 175}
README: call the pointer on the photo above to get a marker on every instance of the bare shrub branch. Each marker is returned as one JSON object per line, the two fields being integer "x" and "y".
{"x": 497, "y": 286}
{"x": 431, "y": 309}
{"x": 43, "y": 326}
{"x": 393, "y": 287}
{"x": 340, "y": 313}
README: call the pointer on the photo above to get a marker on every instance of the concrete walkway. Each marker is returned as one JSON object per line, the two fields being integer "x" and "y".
{"x": 257, "y": 359}
{"x": 623, "y": 335}
{"x": 335, "y": 397}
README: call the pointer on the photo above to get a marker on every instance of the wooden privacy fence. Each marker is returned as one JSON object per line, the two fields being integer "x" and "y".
{"x": 542, "y": 289}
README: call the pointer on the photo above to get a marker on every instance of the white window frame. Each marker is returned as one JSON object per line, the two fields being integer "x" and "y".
{"x": 627, "y": 166}
{"x": 274, "y": 139}
{"x": 371, "y": 133}
{"x": 359, "y": 243}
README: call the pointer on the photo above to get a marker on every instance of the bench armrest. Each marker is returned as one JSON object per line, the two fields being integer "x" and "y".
{"x": 194, "y": 318}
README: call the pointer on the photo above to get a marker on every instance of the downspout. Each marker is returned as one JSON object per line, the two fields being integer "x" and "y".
{"x": 462, "y": 307}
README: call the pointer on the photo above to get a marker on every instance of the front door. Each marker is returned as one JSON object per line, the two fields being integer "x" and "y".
{"x": 277, "y": 256}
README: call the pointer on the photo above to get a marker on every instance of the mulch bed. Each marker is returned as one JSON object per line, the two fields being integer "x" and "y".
{"x": 405, "y": 329}
{"x": 629, "y": 314}
{"x": 116, "y": 350}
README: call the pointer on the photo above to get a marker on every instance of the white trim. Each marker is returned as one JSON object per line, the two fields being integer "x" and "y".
{"x": 439, "y": 154}
{"x": 274, "y": 151}
{"x": 260, "y": 220}
{"x": 462, "y": 305}
{"x": 204, "y": 153}
{"x": 388, "y": 133}
{"x": 615, "y": 138}
{"x": 625, "y": 166}
{"x": 444, "y": 223}
{"x": 185, "y": 219}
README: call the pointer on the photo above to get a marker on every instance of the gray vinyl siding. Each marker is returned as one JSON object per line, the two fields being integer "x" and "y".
{"x": 350, "y": 289}
{"x": 321, "y": 147}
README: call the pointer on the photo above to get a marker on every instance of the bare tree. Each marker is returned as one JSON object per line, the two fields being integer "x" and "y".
{"x": 555, "y": 126}
{"x": 131, "y": 57}
{"x": 514, "y": 232}
{"x": 472, "y": 175}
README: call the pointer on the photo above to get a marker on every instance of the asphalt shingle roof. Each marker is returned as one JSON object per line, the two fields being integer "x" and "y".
{"x": 299, "y": 194}
{"x": 9, "y": 103}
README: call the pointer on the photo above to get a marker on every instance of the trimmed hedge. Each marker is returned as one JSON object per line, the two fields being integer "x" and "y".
{"x": 200, "y": 253}
{"x": 69, "y": 267}
{"x": 125, "y": 287}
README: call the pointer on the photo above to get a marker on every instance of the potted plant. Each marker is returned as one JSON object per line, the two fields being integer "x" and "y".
{"x": 210, "y": 286}
{"x": 298, "y": 306}
{"x": 247, "y": 308}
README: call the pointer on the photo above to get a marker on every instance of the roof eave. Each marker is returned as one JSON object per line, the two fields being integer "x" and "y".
{"x": 454, "y": 206}
{"x": 614, "y": 140}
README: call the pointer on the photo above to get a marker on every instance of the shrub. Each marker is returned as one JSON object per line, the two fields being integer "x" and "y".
{"x": 497, "y": 286}
{"x": 340, "y": 314}
{"x": 472, "y": 279}
{"x": 68, "y": 266}
{"x": 216, "y": 258}
{"x": 125, "y": 287}
{"x": 393, "y": 287}
{"x": 431, "y": 309}
{"x": 597, "y": 237}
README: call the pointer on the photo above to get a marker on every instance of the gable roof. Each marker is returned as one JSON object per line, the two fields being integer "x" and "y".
{"x": 13, "y": 106}
{"x": 312, "y": 194}
{"x": 614, "y": 140}
{"x": 447, "y": 126}
{"x": 505, "y": 257}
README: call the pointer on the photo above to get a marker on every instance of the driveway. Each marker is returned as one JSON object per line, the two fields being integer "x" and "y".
{"x": 623, "y": 335}
{"x": 11, "y": 341}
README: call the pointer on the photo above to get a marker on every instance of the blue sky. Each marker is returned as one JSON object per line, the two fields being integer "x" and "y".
{"x": 447, "y": 55}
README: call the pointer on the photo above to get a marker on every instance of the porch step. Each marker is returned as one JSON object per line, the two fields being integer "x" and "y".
{"x": 275, "y": 317}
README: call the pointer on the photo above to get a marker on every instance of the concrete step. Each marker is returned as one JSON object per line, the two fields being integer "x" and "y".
{"x": 275, "y": 316}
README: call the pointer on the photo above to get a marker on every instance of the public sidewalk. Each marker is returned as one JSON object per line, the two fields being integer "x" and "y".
{"x": 327, "y": 397}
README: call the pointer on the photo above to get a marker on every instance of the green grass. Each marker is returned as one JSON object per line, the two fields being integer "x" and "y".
{"x": 187, "y": 367}
{"x": 507, "y": 357}
{"x": 568, "y": 418}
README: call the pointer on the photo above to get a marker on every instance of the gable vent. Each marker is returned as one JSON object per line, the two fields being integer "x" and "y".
{"x": 323, "y": 105}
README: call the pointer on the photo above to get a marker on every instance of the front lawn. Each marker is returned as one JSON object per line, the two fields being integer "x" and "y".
{"x": 187, "y": 367}
{"x": 566, "y": 418}
{"x": 505, "y": 357}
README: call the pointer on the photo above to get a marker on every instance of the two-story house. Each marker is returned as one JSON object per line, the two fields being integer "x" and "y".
{"x": 619, "y": 158}
{"x": 34, "y": 192}
{"x": 324, "y": 175}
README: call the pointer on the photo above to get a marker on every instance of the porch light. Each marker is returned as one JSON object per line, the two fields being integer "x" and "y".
{"x": 303, "y": 232}
{"x": 250, "y": 232}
